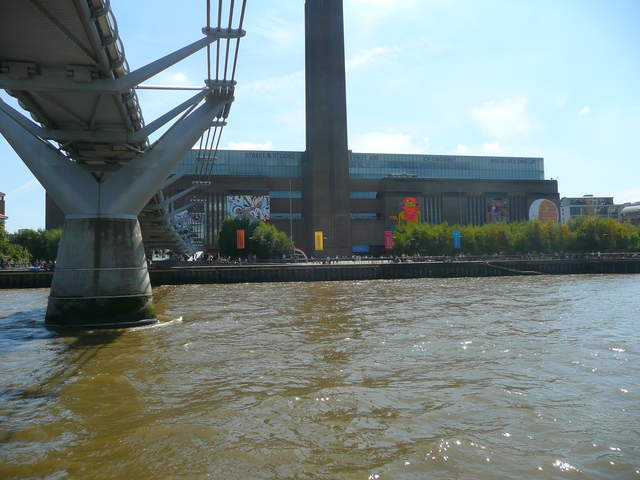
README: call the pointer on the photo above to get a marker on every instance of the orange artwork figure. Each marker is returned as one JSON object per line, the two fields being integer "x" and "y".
{"x": 410, "y": 212}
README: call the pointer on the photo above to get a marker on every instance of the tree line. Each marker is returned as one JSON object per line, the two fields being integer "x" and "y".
{"x": 588, "y": 234}
{"x": 29, "y": 245}
{"x": 261, "y": 239}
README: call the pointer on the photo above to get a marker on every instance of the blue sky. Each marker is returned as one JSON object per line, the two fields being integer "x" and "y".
{"x": 559, "y": 79}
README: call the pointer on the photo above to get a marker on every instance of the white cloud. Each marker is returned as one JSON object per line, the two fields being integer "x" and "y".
{"x": 294, "y": 117}
{"x": 285, "y": 82}
{"x": 462, "y": 148}
{"x": 492, "y": 147}
{"x": 377, "y": 3}
{"x": 585, "y": 110}
{"x": 380, "y": 142}
{"x": 504, "y": 118}
{"x": 276, "y": 30}
{"x": 268, "y": 145}
{"x": 631, "y": 195}
{"x": 369, "y": 13}
{"x": 27, "y": 186}
{"x": 365, "y": 58}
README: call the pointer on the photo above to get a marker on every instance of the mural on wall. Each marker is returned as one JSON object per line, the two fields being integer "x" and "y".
{"x": 255, "y": 207}
{"x": 544, "y": 210}
{"x": 410, "y": 211}
{"x": 497, "y": 209}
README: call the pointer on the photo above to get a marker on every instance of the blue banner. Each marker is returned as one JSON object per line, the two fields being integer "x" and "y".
{"x": 456, "y": 239}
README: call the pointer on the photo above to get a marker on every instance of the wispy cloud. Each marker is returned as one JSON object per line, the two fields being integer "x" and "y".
{"x": 285, "y": 82}
{"x": 585, "y": 110}
{"x": 366, "y": 58}
{"x": 27, "y": 186}
{"x": 378, "y": 3}
{"x": 493, "y": 147}
{"x": 369, "y": 13}
{"x": 462, "y": 148}
{"x": 631, "y": 195}
{"x": 294, "y": 118}
{"x": 381, "y": 142}
{"x": 268, "y": 145}
{"x": 278, "y": 32}
{"x": 503, "y": 118}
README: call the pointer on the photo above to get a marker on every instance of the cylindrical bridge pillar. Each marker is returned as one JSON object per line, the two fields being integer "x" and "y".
{"x": 101, "y": 278}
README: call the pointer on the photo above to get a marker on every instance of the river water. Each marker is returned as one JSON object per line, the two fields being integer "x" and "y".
{"x": 475, "y": 378}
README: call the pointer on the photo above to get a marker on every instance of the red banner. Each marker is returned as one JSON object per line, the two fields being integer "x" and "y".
{"x": 388, "y": 240}
{"x": 239, "y": 239}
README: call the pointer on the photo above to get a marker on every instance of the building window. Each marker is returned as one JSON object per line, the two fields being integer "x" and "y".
{"x": 366, "y": 195}
{"x": 378, "y": 165}
{"x": 365, "y": 216}
{"x": 285, "y": 194}
{"x": 286, "y": 216}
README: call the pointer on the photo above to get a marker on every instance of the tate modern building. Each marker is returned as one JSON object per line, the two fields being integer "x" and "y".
{"x": 348, "y": 198}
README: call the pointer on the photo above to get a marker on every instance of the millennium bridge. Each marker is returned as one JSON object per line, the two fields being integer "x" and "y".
{"x": 89, "y": 146}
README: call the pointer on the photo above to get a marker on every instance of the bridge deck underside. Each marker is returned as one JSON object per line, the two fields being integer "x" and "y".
{"x": 49, "y": 47}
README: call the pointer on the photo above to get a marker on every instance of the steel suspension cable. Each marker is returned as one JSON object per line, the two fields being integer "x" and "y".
{"x": 211, "y": 140}
{"x": 218, "y": 42}
{"x": 208, "y": 45}
{"x": 226, "y": 57}
{"x": 235, "y": 57}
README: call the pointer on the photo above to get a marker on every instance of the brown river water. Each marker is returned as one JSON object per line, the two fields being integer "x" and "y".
{"x": 473, "y": 378}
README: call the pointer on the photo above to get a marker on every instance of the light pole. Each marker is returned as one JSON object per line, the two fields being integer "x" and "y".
{"x": 290, "y": 214}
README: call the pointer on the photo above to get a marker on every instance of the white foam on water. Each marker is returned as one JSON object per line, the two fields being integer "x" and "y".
{"x": 158, "y": 324}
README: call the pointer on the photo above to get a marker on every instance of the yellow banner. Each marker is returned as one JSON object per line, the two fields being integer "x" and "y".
{"x": 319, "y": 241}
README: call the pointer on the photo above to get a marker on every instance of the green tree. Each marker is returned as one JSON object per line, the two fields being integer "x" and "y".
{"x": 41, "y": 244}
{"x": 11, "y": 251}
{"x": 588, "y": 234}
{"x": 227, "y": 236}
{"x": 262, "y": 239}
{"x": 604, "y": 234}
{"x": 268, "y": 242}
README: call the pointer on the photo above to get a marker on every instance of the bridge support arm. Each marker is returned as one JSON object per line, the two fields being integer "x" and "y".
{"x": 141, "y": 135}
{"x": 181, "y": 209}
{"x": 131, "y": 187}
{"x": 29, "y": 125}
{"x": 73, "y": 189}
{"x": 183, "y": 193}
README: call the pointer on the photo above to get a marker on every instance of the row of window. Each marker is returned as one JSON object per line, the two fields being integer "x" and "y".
{"x": 286, "y": 216}
{"x": 362, "y": 165}
{"x": 298, "y": 216}
{"x": 298, "y": 194}
{"x": 285, "y": 194}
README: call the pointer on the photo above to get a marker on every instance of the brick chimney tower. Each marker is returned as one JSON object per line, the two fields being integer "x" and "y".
{"x": 326, "y": 164}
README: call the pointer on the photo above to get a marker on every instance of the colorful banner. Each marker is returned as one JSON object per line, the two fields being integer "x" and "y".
{"x": 253, "y": 207}
{"x": 410, "y": 210}
{"x": 240, "y": 239}
{"x": 497, "y": 209}
{"x": 388, "y": 240}
{"x": 319, "y": 241}
{"x": 456, "y": 239}
{"x": 544, "y": 210}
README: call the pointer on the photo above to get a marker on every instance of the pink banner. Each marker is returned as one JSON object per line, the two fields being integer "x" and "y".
{"x": 388, "y": 240}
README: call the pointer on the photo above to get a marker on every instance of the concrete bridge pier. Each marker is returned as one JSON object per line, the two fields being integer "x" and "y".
{"x": 101, "y": 278}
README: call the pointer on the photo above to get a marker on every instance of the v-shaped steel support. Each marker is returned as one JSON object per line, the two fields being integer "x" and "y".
{"x": 125, "y": 192}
